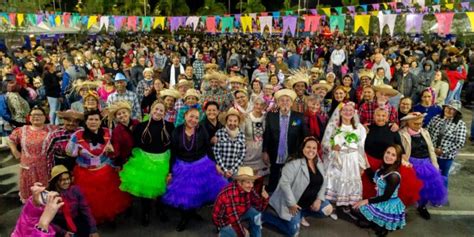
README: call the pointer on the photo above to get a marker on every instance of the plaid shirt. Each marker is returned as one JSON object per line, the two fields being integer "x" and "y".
{"x": 448, "y": 136}
{"x": 57, "y": 146}
{"x": 130, "y": 97}
{"x": 179, "y": 104}
{"x": 142, "y": 85}
{"x": 198, "y": 69}
{"x": 231, "y": 203}
{"x": 170, "y": 116}
{"x": 229, "y": 152}
{"x": 366, "y": 112}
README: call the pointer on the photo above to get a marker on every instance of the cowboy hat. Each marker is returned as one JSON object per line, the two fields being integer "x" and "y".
{"x": 297, "y": 77}
{"x": 120, "y": 77}
{"x": 192, "y": 92}
{"x": 87, "y": 84}
{"x": 170, "y": 92}
{"x": 455, "y": 104}
{"x": 70, "y": 114}
{"x": 183, "y": 82}
{"x": 231, "y": 111}
{"x": 238, "y": 79}
{"x": 386, "y": 89}
{"x": 321, "y": 84}
{"x": 412, "y": 116}
{"x": 57, "y": 170}
{"x": 215, "y": 75}
{"x": 366, "y": 73}
{"x": 285, "y": 92}
{"x": 114, "y": 108}
{"x": 245, "y": 173}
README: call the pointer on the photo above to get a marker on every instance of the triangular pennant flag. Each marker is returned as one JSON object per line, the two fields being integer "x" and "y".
{"x": 266, "y": 21}
{"x": 388, "y": 20}
{"x": 466, "y": 5}
{"x": 420, "y": 2}
{"x": 449, "y": 6}
{"x": 57, "y": 20}
{"x": 313, "y": 11}
{"x": 104, "y": 22}
{"x": 436, "y": 8}
{"x": 288, "y": 13}
{"x": 132, "y": 23}
{"x": 414, "y": 21}
{"x": 351, "y": 9}
{"x": 362, "y": 21}
{"x": 364, "y": 6}
{"x": 470, "y": 16}
{"x": 66, "y": 19}
{"x": 51, "y": 20}
{"x": 376, "y": 6}
{"x": 311, "y": 23}
{"x": 385, "y": 6}
{"x": 338, "y": 21}
{"x": 211, "y": 24}
{"x": 192, "y": 21}
{"x": 338, "y": 10}
{"x": 254, "y": 16}
{"x": 84, "y": 20}
{"x": 393, "y": 5}
{"x": 237, "y": 19}
{"x": 31, "y": 19}
{"x": 326, "y": 10}
{"x": 289, "y": 23}
{"x": 12, "y": 17}
{"x": 375, "y": 13}
{"x": 92, "y": 21}
{"x": 20, "y": 18}
{"x": 159, "y": 21}
{"x": 445, "y": 20}
{"x": 436, "y": 1}
{"x": 246, "y": 22}
{"x": 227, "y": 24}
{"x": 263, "y": 13}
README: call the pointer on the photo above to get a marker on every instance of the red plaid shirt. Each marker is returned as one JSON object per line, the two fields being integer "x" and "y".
{"x": 366, "y": 112}
{"x": 232, "y": 203}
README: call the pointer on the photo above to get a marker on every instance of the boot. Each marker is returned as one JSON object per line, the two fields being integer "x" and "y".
{"x": 185, "y": 215}
{"x": 146, "y": 208}
{"x": 424, "y": 212}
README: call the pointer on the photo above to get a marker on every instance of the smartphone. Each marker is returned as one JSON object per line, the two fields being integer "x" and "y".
{"x": 43, "y": 198}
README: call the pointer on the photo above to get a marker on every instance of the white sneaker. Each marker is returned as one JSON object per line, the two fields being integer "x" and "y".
{"x": 304, "y": 222}
{"x": 334, "y": 216}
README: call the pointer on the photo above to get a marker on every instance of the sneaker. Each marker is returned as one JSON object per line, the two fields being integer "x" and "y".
{"x": 424, "y": 213}
{"x": 304, "y": 222}
{"x": 334, "y": 216}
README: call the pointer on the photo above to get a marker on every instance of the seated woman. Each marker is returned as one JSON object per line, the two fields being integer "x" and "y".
{"x": 386, "y": 211}
{"x": 300, "y": 191}
{"x": 75, "y": 206}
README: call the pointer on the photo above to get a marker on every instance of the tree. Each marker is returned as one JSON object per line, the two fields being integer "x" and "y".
{"x": 211, "y": 7}
{"x": 24, "y": 6}
{"x": 171, "y": 8}
{"x": 251, "y": 6}
{"x": 287, "y": 6}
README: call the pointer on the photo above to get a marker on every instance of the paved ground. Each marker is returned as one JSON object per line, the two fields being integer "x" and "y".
{"x": 455, "y": 220}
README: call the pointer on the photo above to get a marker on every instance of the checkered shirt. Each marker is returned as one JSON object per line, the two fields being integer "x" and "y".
{"x": 229, "y": 152}
{"x": 142, "y": 85}
{"x": 453, "y": 136}
{"x": 198, "y": 69}
{"x": 130, "y": 97}
{"x": 366, "y": 112}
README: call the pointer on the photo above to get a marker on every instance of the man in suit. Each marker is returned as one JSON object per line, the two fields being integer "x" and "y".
{"x": 171, "y": 72}
{"x": 284, "y": 133}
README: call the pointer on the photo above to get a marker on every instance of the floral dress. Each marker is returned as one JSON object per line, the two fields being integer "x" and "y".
{"x": 254, "y": 128}
{"x": 343, "y": 167}
{"x": 33, "y": 162}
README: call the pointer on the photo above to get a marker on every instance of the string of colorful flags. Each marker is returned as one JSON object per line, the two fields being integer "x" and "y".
{"x": 259, "y": 23}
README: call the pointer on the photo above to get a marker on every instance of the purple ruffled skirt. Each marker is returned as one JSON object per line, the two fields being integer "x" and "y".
{"x": 433, "y": 190}
{"x": 193, "y": 184}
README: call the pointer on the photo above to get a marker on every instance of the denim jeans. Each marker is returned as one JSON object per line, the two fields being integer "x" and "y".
{"x": 292, "y": 227}
{"x": 456, "y": 93}
{"x": 54, "y": 106}
{"x": 254, "y": 218}
{"x": 445, "y": 166}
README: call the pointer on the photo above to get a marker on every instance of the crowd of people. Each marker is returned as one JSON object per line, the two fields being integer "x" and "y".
{"x": 265, "y": 129}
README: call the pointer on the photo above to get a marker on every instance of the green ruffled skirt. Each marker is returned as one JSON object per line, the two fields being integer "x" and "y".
{"x": 144, "y": 175}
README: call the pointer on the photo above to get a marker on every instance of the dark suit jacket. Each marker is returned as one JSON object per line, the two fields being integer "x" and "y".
{"x": 296, "y": 133}
{"x": 166, "y": 74}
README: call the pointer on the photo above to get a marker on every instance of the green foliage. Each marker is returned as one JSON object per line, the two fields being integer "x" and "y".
{"x": 171, "y": 8}
{"x": 24, "y": 6}
{"x": 287, "y": 6}
{"x": 211, "y": 7}
{"x": 251, "y": 6}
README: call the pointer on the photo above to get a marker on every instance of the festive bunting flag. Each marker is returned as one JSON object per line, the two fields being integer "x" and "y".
{"x": 57, "y": 20}
{"x": 313, "y": 11}
{"x": 288, "y": 13}
{"x": 31, "y": 19}
{"x": 246, "y": 22}
{"x": 362, "y": 21}
{"x": 364, "y": 6}
{"x": 337, "y": 21}
{"x": 412, "y": 9}
{"x": 466, "y": 5}
{"x": 406, "y": 2}
{"x": 146, "y": 23}
{"x": 159, "y": 21}
{"x": 104, "y": 22}
{"x": 237, "y": 19}
{"x": 266, "y": 21}
{"x": 132, "y": 23}
{"x": 263, "y": 13}
{"x": 311, "y": 23}
{"x": 338, "y": 10}
{"x": 414, "y": 21}
{"x": 289, "y": 23}
{"x": 393, "y": 5}
{"x": 118, "y": 22}
{"x": 375, "y": 13}
{"x": 211, "y": 24}
{"x": 445, "y": 20}
{"x": 92, "y": 21}
{"x": 326, "y": 10}
{"x": 376, "y": 6}
{"x": 227, "y": 24}
{"x": 436, "y": 8}
{"x": 12, "y": 17}
{"x": 421, "y": 2}
{"x": 20, "y": 18}
{"x": 192, "y": 21}
{"x": 388, "y": 20}
{"x": 351, "y": 9}
{"x": 385, "y": 6}
{"x": 436, "y": 1}
{"x": 470, "y": 16}
{"x": 75, "y": 20}
{"x": 51, "y": 20}
{"x": 449, "y": 6}
{"x": 66, "y": 19}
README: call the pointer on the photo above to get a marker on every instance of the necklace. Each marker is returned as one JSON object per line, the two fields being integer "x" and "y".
{"x": 192, "y": 140}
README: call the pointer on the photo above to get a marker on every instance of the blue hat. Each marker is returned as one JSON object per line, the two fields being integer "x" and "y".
{"x": 120, "y": 77}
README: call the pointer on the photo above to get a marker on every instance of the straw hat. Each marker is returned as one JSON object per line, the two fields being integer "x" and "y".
{"x": 192, "y": 92}
{"x": 455, "y": 104}
{"x": 114, "y": 108}
{"x": 245, "y": 173}
{"x": 70, "y": 114}
{"x": 94, "y": 61}
{"x": 87, "y": 84}
{"x": 297, "y": 77}
{"x": 238, "y": 79}
{"x": 210, "y": 66}
{"x": 285, "y": 92}
{"x": 366, "y": 73}
{"x": 316, "y": 70}
{"x": 412, "y": 116}
{"x": 170, "y": 92}
{"x": 263, "y": 61}
{"x": 91, "y": 93}
{"x": 57, "y": 170}
{"x": 321, "y": 84}
{"x": 148, "y": 69}
{"x": 183, "y": 82}
{"x": 231, "y": 111}
{"x": 386, "y": 89}
{"x": 215, "y": 75}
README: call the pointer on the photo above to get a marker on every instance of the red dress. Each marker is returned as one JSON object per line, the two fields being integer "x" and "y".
{"x": 33, "y": 162}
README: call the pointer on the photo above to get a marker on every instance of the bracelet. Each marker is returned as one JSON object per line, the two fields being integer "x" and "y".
{"x": 41, "y": 229}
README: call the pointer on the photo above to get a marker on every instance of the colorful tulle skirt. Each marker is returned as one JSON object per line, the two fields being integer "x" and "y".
{"x": 410, "y": 185}
{"x": 193, "y": 184}
{"x": 389, "y": 214}
{"x": 433, "y": 190}
{"x": 101, "y": 190}
{"x": 144, "y": 175}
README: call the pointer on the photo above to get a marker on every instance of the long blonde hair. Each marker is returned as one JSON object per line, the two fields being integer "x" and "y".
{"x": 146, "y": 135}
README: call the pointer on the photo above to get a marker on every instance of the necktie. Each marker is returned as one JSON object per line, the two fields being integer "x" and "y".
{"x": 282, "y": 143}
